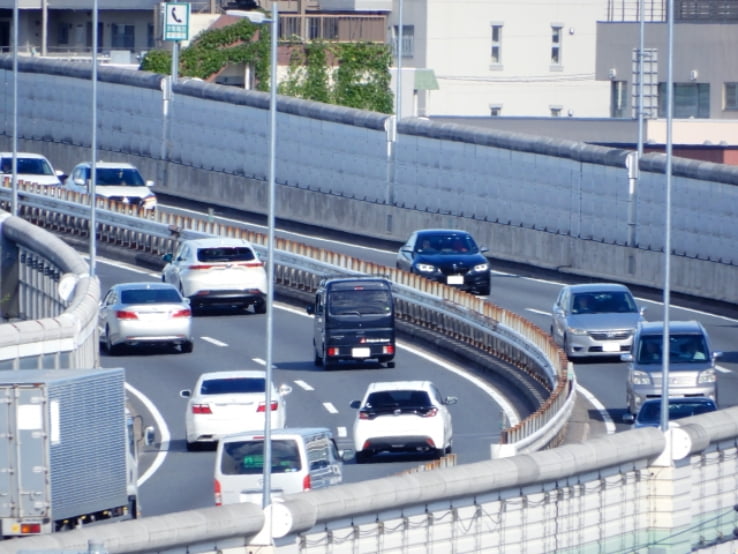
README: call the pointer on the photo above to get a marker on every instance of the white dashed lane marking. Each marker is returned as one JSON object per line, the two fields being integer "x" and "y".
{"x": 303, "y": 385}
{"x": 216, "y": 342}
{"x": 330, "y": 408}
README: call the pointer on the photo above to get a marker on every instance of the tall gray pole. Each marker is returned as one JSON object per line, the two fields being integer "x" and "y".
{"x": 93, "y": 163}
{"x": 266, "y": 495}
{"x": 641, "y": 46}
{"x": 14, "y": 175}
{"x": 398, "y": 108}
{"x": 667, "y": 223}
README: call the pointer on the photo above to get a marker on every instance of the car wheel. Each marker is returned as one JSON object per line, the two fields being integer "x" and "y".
{"x": 187, "y": 347}
{"x": 362, "y": 456}
{"x": 390, "y": 365}
{"x": 113, "y": 349}
{"x": 317, "y": 360}
{"x": 260, "y": 307}
{"x": 485, "y": 291}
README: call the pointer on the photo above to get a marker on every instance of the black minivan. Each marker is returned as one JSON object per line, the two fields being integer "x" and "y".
{"x": 354, "y": 321}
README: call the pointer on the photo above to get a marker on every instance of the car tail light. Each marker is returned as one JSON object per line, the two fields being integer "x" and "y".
{"x": 30, "y": 528}
{"x": 251, "y": 264}
{"x": 218, "y": 493}
{"x": 332, "y": 351}
{"x": 183, "y": 313}
{"x": 388, "y": 349}
{"x": 201, "y": 409}
{"x": 306, "y": 483}
{"x": 430, "y": 413}
{"x": 366, "y": 415}
{"x": 126, "y": 314}
{"x": 200, "y": 266}
{"x": 262, "y": 407}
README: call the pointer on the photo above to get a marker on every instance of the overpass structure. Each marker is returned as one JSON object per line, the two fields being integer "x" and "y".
{"x": 207, "y": 143}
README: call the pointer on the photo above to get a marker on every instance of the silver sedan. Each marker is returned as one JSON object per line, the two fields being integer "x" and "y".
{"x": 135, "y": 314}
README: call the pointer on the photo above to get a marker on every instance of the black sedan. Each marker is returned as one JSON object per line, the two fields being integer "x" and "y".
{"x": 448, "y": 256}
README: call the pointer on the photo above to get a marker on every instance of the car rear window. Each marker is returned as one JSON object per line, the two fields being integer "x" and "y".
{"x": 226, "y": 254}
{"x": 150, "y": 296}
{"x": 233, "y": 385}
{"x": 406, "y": 401}
{"x": 360, "y": 301}
{"x": 247, "y": 457}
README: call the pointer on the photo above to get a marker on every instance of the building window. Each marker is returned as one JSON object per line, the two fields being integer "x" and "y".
{"x": 618, "y": 99}
{"x": 64, "y": 33}
{"x": 122, "y": 36}
{"x": 496, "y": 52}
{"x": 408, "y": 40}
{"x": 731, "y": 96}
{"x": 495, "y": 110}
{"x": 690, "y": 100}
{"x": 556, "y": 40}
{"x": 150, "y": 38}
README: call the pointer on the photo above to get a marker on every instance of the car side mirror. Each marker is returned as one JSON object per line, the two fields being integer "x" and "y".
{"x": 355, "y": 404}
{"x": 629, "y": 418}
{"x": 167, "y": 257}
{"x": 627, "y": 357}
{"x": 484, "y": 249}
{"x": 149, "y": 183}
{"x": 716, "y": 355}
{"x": 310, "y": 309}
{"x": 186, "y": 393}
{"x": 347, "y": 454}
{"x": 642, "y": 311}
{"x": 449, "y": 400}
{"x": 284, "y": 390}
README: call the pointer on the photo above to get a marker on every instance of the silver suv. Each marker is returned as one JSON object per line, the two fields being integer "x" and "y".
{"x": 691, "y": 363}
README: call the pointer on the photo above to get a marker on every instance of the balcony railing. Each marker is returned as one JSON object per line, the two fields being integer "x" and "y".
{"x": 717, "y": 11}
{"x": 333, "y": 28}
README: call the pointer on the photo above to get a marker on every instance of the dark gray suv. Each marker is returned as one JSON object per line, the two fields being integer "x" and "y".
{"x": 691, "y": 363}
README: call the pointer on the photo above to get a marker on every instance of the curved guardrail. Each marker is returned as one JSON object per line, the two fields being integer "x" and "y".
{"x": 475, "y": 323}
{"x": 49, "y": 300}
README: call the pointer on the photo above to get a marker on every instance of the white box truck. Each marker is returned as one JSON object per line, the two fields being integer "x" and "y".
{"x": 65, "y": 450}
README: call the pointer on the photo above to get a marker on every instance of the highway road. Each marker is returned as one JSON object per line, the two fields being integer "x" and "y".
{"x": 180, "y": 480}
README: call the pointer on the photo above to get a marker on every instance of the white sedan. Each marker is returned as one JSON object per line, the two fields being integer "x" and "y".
{"x": 227, "y": 402}
{"x": 402, "y": 416}
{"x": 147, "y": 313}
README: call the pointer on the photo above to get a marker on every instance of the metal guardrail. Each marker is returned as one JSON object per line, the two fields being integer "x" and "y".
{"x": 470, "y": 321}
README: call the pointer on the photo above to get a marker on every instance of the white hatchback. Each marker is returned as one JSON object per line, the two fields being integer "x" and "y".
{"x": 227, "y": 402}
{"x": 402, "y": 416}
{"x": 218, "y": 271}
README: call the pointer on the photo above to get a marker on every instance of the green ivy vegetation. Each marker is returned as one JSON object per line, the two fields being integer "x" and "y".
{"x": 359, "y": 77}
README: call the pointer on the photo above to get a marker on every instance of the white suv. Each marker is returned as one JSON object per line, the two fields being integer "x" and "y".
{"x": 218, "y": 272}
{"x": 30, "y": 168}
{"x": 117, "y": 181}
{"x": 402, "y": 416}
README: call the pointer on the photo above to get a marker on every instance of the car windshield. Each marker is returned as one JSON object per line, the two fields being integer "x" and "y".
{"x": 360, "y": 301}
{"x": 225, "y": 254}
{"x": 28, "y": 166}
{"x": 233, "y": 385}
{"x": 150, "y": 296}
{"x": 605, "y": 302}
{"x": 119, "y": 176}
{"x": 687, "y": 348}
{"x": 448, "y": 244}
{"x": 651, "y": 411}
{"x": 247, "y": 457}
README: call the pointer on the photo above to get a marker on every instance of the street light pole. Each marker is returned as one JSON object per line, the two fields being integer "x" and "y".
{"x": 266, "y": 496}
{"x": 93, "y": 163}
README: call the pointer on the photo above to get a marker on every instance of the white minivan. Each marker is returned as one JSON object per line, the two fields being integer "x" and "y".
{"x": 302, "y": 459}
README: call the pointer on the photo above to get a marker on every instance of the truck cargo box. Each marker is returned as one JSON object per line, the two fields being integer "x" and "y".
{"x": 62, "y": 448}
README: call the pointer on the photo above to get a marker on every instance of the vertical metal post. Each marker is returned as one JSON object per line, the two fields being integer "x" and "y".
{"x": 667, "y": 224}
{"x": 93, "y": 163}
{"x": 398, "y": 107}
{"x": 14, "y": 176}
{"x": 266, "y": 495}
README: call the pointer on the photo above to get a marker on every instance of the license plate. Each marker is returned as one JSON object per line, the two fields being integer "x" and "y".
{"x": 610, "y": 347}
{"x": 455, "y": 280}
{"x": 360, "y": 352}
